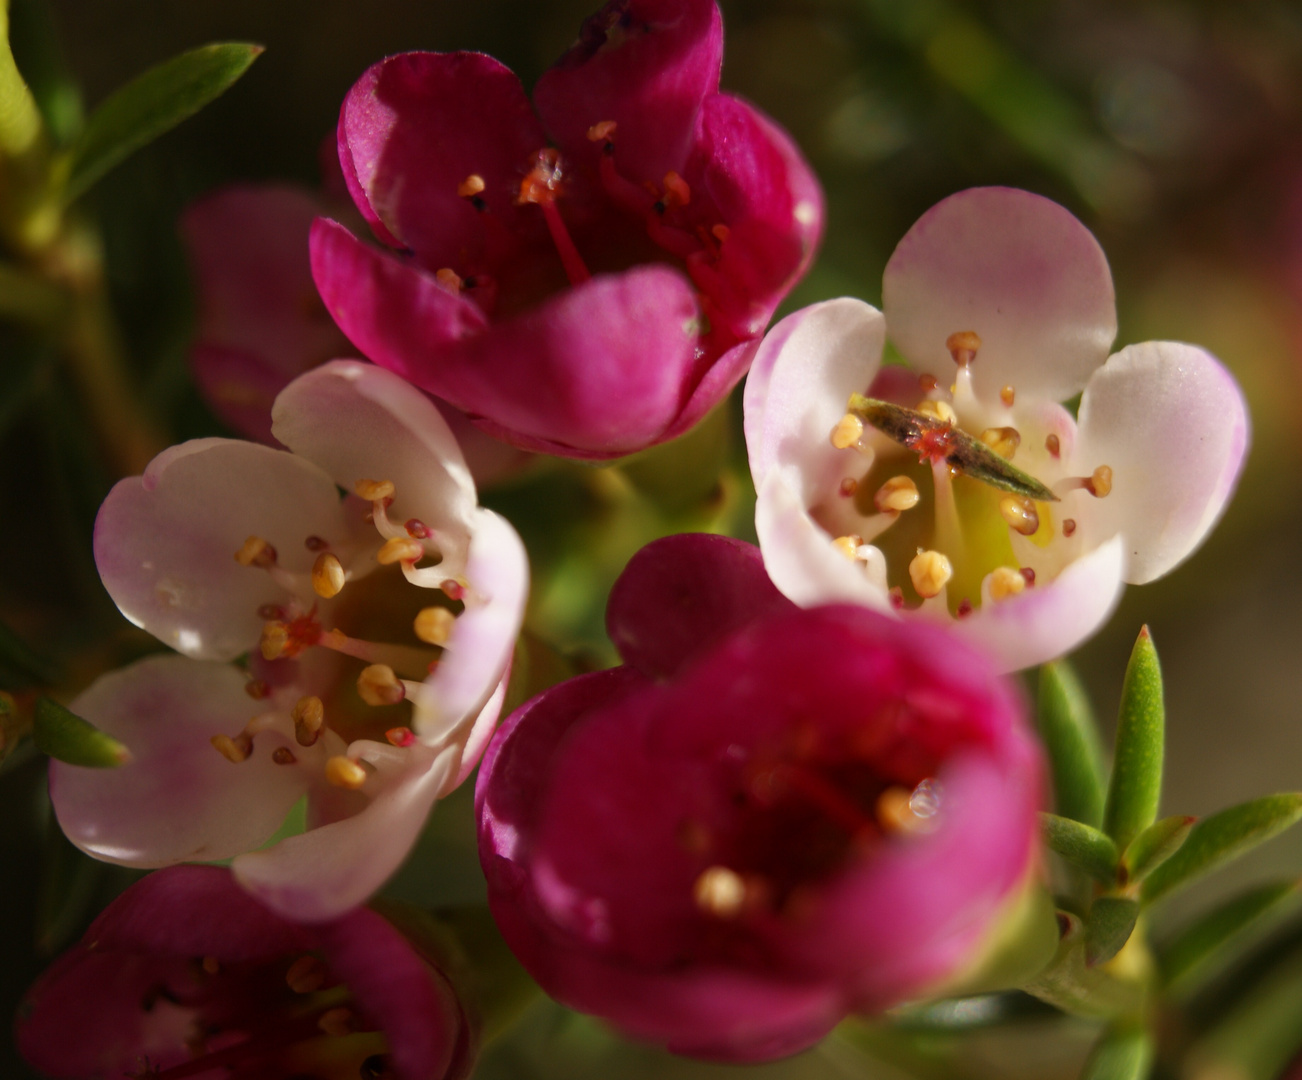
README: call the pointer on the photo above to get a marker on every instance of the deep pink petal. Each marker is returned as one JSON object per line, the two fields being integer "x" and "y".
{"x": 415, "y": 126}
{"x": 239, "y": 387}
{"x": 1172, "y": 424}
{"x": 1019, "y": 270}
{"x": 178, "y": 799}
{"x": 645, "y": 64}
{"x": 680, "y": 595}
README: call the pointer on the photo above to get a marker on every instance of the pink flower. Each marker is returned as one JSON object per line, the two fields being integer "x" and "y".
{"x": 766, "y": 819}
{"x": 184, "y": 975}
{"x": 379, "y": 649}
{"x": 588, "y": 280}
{"x": 1016, "y": 291}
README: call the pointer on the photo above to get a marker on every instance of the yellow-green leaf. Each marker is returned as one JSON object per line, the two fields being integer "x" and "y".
{"x": 64, "y": 735}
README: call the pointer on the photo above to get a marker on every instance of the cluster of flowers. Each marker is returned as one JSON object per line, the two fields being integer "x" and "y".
{"x": 807, "y": 791}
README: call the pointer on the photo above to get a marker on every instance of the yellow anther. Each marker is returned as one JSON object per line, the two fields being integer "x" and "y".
{"x": 233, "y": 750}
{"x": 309, "y": 719}
{"x": 720, "y": 892}
{"x": 848, "y": 431}
{"x": 720, "y": 232}
{"x": 306, "y": 975}
{"x": 344, "y": 772}
{"x": 399, "y": 549}
{"x": 328, "y": 575}
{"x": 1100, "y": 483}
{"x": 374, "y": 490}
{"x": 1005, "y": 582}
{"x": 337, "y": 1022}
{"x": 1053, "y": 444}
{"x": 1004, "y": 441}
{"x": 1020, "y": 513}
{"x": 677, "y": 191}
{"x": 601, "y": 132}
{"x": 275, "y": 639}
{"x": 894, "y": 814}
{"x": 448, "y": 278}
{"x": 1008, "y": 395}
{"x": 255, "y": 551}
{"x": 939, "y": 410}
{"x": 930, "y": 572}
{"x": 378, "y": 685}
{"x": 471, "y": 185}
{"x": 898, "y": 493}
{"x": 433, "y": 625}
{"x": 847, "y": 545}
{"x": 283, "y": 755}
{"x": 963, "y": 346}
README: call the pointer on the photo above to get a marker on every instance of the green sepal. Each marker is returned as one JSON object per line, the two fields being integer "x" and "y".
{"x": 1123, "y": 1053}
{"x": 151, "y": 104}
{"x": 1221, "y": 838}
{"x": 1066, "y": 725}
{"x": 40, "y": 57}
{"x": 1151, "y": 848}
{"x": 1083, "y": 846}
{"x": 1109, "y": 926}
{"x": 1136, "y": 786}
{"x": 65, "y": 736}
{"x": 1203, "y": 947}
{"x": 20, "y": 666}
{"x": 1069, "y": 984}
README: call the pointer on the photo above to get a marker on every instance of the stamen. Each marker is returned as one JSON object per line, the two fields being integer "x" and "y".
{"x": 273, "y": 612}
{"x": 309, "y": 719}
{"x": 1004, "y": 441}
{"x": 275, "y": 640}
{"x": 720, "y": 892}
{"x": 452, "y": 588}
{"x": 896, "y": 596}
{"x": 400, "y": 549}
{"x": 257, "y": 689}
{"x": 928, "y": 383}
{"x": 316, "y": 543}
{"x": 417, "y": 529}
{"x": 1020, "y": 513}
{"x": 255, "y": 551}
{"x": 1028, "y": 574}
{"x": 471, "y": 186}
{"x": 306, "y": 975}
{"x": 963, "y": 346}
{"x": 433, "y": 625}
{"x": 449, "y": 279}
{"x": 848, "y": 487}
{"x": 677, "y": 191}
{"x": 378, "y": 685}
{"x": 1008, "y": 395}
{"x": 1068, "y": 526}
{"x": 374, "y": 490}
{"x": 328, "y": 576}
{"x": 337, "y": 1022}
{"x": 407, "y": 658}
{"x": 345, "y": 772}
{"x": 211, "y": 965}
{"x": 542, "y": 186}
{"x": 1052, "y": 444}
{"x": 848, "y": 545}
{"x": 939, "y": 410}
{"x": 283, "y": 755}
{"x": 720, "y": 232}
{"x": 1005, "y": 582}
{"x": 908, "y": 813}
{"x": 602, "y": 132}
{"x": 930, "y": 571}
{"x": 848, "y": 432}
{"x": 897, "y": 494}
{"x": 401, "y": 737}
{"x": 1098, "y": 484}
{"x": 964, "y": 608}
{"x": 233, "y": 750}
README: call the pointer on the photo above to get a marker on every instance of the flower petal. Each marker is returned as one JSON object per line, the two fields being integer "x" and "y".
{"x": 322, "y": 873}
{"x": 1019, "y": 270}
{"x": 415, "y": 126}
{"x": 1049, "y": 620}
{"x": 165, "y": 542}
{"x": 1171, "y": 422}
{"x": 178, "y": 799}
{"x": 645, "y": 64}
{"x": 682, "y": 594}
{"x": 239, "y": 387}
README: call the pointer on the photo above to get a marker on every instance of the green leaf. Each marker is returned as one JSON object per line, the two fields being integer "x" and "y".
{"x": 1083, "y": 846}
{"x": 1066, "y": 725}
{"x": 65, "y": 736}
{"x": 1136, "y": 786}
{"x": 1224, "y": 836}
{"x": 1110, "y": 923}
{"x": 1151, "y": 848}
{"x": 1124, "y": 1053}
{"x": 151, "y": 104}
{"x": 1259, "y": 1036}
{"x": 35, "y": 42}
{"x": 1212, "y": 939}
{"x": 20, "y": 666}
{"x": 1069, "y": 984}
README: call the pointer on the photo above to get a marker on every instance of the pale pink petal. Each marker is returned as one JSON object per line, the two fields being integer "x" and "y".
{"x": 797, "y": 390}
{"x": 177, "y": 799}
{"x": 798, "y": 553}
{"x": 1051, "y": 619}
{"x": 322, "y": 873}
{"x": 1172, "y": 424}
{"x": 1019, "y": 270}
{"x": 165, "y": 542}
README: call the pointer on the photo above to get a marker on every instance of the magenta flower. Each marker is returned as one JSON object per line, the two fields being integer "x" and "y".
{"x": 588, "y": 280}
{"x": 380, "y": 628}
{"x": 769, "y": 817}
{"x": 183, "y": 975}
{"x": 1015, "y": 291}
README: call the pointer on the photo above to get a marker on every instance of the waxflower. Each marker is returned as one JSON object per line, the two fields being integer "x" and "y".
{"x": 767, "y": 818}
{"x": 589, "y": 279}
{"x": 186, "y": 975}
{"x": 379, "y": 629}
{"x": 961, "y": 490}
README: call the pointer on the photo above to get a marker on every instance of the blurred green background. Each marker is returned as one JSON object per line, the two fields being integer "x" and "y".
{"x": 1173, "y": 129}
